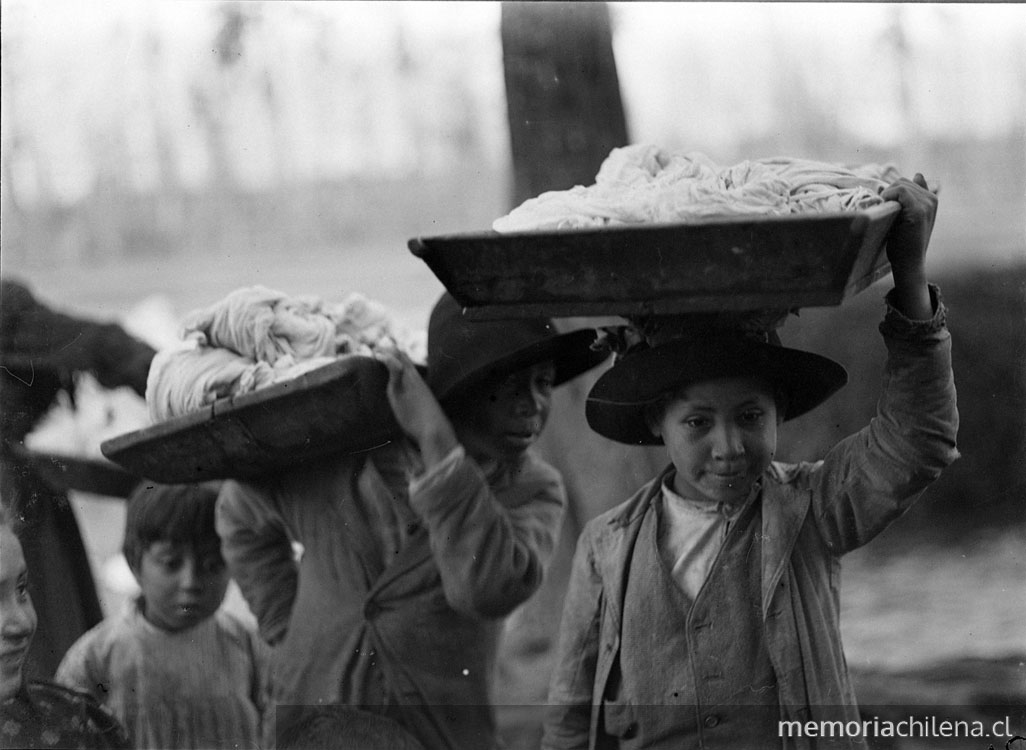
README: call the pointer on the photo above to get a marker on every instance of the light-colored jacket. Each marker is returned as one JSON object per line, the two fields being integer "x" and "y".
{"x": 812, "y": 513}
{"x": 417, "y": 639}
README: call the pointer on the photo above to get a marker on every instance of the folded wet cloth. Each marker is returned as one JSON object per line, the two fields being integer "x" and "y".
{"x": 257, "y": 336}
{"x": 265, "y": 325}
{"x": 646, "y": 184}
{"x": 190, "y": 376}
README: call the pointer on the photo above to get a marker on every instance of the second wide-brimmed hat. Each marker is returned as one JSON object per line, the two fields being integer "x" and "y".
{"x": 615, "y": 407}
{"x": 463, "y": 353}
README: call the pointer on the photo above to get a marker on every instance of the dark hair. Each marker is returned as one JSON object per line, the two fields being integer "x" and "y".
{"x": 181, "y": 513}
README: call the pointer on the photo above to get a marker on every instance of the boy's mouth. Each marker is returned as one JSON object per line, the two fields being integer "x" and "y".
{"x": 728, "y": 478}
{"x": 14, "y": 654}
{"x": 521, "y": 438}
{"x": 188, "y": 607}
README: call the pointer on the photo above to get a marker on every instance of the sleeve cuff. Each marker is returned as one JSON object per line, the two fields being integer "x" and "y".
{"x": 897, "y": 325}
{"x": 439, "y": 472}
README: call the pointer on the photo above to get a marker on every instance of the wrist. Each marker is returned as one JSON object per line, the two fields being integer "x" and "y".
{"x": 911, "y": 297}
{"x": 437, "y": 443}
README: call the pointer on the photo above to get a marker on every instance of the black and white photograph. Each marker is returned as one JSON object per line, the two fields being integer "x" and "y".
{"x": 492, "y": 375}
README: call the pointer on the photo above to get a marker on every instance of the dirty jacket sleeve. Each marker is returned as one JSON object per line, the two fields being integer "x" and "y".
{"x": 568, "y": 714}
{"x": 257, "y": 548}
{"x": 873, "y": 476}
{"x": 490, "y": 541}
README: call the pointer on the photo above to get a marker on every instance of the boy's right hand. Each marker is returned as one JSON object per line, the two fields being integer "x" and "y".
{"x": 416, "y": 409}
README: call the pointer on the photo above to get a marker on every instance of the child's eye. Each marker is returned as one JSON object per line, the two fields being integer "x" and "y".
{"x": 22, "y": 591}
{"x": 170, "y": 563}
{"x": 696, "y": 423}
{"x": 753, "y": 416}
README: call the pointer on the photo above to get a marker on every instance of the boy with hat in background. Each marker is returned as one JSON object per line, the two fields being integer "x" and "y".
{"x": 413, "y": 552}
{"x": 703, "y": 611}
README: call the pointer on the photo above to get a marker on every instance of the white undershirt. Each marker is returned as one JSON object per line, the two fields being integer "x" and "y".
{"x": 691, "y": 533}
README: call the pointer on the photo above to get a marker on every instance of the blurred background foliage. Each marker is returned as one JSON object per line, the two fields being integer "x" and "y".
{"x": 212, "y": 129}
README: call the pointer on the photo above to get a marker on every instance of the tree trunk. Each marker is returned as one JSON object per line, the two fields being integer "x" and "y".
{"x": 562, "y": 93}
{"x": 565, "y": 116}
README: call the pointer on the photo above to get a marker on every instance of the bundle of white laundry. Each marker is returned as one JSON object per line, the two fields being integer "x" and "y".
{"x": 646, "y": 184}
{"x": 257, "y": 336}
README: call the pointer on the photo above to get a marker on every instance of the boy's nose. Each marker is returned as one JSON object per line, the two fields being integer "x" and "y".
{"x": 530, "y": 401}
{"x": 188, "y": 575}
{"x": 16, "y": 624}
{"x": 727, "y": 442}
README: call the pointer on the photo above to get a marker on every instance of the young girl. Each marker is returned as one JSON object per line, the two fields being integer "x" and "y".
{"x": 35, "y": 713}
{"x": 703, "y": 612}
{"x": 175, "y": 668}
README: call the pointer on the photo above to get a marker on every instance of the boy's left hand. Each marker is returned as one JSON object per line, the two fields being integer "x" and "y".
{"x": 910, "y": 235}
{"x": 907, "y": 243}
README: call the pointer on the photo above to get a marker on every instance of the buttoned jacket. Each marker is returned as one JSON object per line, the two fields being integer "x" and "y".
{"x": 812, "y": 513}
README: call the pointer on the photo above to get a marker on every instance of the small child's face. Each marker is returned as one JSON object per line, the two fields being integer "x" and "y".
{"x": 17, "y": 615}
{"x": 181, "y": 585}
{"x": 506, "y": 417}
{"x": 721, "y": 435}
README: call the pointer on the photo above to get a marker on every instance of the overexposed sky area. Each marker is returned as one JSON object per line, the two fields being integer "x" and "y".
{"x": 703, "y": 76}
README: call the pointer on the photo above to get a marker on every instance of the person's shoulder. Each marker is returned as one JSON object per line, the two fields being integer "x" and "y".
{"x": 532, "y": 467}
{"x": 528, "y": 478}
{"x": 234, "y": 625}
{"x": 64, "y": 711}
{"x": 240, "y": 631}
{"x": 310, "y": 479}
{"x": 106, "y": 634}
{"x": 782, "y": 473}
{"x": 630, "y": 510}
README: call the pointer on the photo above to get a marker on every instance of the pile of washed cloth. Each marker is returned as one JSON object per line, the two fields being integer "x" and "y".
{"x": 257, "y": 336}
{"x": 645, "y": 184}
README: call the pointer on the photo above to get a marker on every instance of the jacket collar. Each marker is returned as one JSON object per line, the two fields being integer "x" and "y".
{"x": 784, "y": 508}
{"x": 636, "y": 506}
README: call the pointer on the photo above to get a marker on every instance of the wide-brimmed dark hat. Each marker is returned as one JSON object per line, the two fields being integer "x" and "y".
{"x": 463, "y": 353}
{"x": 615, "y": 407}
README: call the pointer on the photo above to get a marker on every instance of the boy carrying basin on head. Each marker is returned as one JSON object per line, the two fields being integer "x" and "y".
{"x": 704, "y": 610}
{"x": 413, "y": 552}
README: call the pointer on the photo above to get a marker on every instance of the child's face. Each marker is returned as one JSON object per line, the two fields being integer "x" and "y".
{"x": 505, "y": 417}
{"x": 721, "y": 435}
{"x": 181, "y": 585}
{"x": 17, "y": 615}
